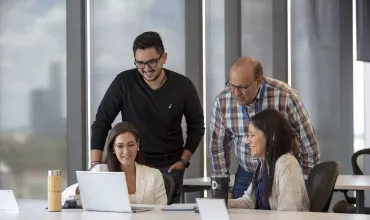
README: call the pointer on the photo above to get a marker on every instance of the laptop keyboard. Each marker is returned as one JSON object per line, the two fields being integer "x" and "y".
{"x": 138, "y": 209}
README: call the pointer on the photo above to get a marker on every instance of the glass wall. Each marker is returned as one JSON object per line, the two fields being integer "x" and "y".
{"x": 215, "y": 61}
{"x": 322, "y": 73}
{"x": 32, "y": 94}
{"x": 115, "y": 24}
{"x": 358, "y": 90}
{"x": 257, "y": 32}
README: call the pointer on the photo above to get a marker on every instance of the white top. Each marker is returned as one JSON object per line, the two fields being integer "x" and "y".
{"x": 288, "y": 188}
{"x": 149, "y": 186}
{"x": 31, "y": 209}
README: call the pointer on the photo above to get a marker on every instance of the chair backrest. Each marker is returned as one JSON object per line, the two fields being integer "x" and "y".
{"x": 320, "y": 185}
{"x": 357, "y": 161}
{"x": 169, "y": 184}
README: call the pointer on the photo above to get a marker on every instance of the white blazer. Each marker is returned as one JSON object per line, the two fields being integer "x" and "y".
{"x": 149, "y": 185}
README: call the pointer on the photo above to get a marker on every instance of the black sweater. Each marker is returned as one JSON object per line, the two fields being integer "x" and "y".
{"x": 156, "y": 113}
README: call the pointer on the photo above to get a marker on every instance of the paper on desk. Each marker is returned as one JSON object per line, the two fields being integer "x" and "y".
{"x": 212, "y": 209}
{"x": 7, "y": 201}
{"x": 180, "y": 207}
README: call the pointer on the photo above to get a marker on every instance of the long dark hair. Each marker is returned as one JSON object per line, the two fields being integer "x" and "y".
{"x": 279, "y": 141}
{"x": 111, "y": 160}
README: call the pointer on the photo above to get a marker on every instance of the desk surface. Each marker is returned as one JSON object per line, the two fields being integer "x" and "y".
{"x": 35, "y": 209}
{"x": 204, "y": 181}
{"x": 349, "y": 182}
{"x": 353, "y": 182}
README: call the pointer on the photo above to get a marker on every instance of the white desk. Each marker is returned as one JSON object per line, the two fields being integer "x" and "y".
{"x": 31, "y": 209}
{"x": 344, "y": 182}
{"x": 353, "y": 182}
{"x": 204, "y": 181}
{"x": 358, "y": 183}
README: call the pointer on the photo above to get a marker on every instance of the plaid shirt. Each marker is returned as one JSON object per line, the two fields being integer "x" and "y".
{"x": 229, "y": 127}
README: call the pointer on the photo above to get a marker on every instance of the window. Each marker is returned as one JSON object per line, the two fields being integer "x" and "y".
{"x": 115, "y": 24}
{"x": 358, "y": 92}
{"x": 32, "y": 94}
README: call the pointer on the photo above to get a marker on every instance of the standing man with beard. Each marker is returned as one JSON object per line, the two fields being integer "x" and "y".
{"x": 154, "y": 99}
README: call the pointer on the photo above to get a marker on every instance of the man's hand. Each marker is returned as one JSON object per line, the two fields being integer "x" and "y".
{"x": 177, "y": 165}
{"x": 230, "y": 195}
{"x": 96, "y": 155}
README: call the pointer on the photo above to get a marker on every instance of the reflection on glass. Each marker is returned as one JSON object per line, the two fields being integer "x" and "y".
{"x": 32, "y": 94}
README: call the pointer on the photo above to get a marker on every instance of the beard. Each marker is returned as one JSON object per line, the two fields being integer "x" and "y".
{"x": 151, "y": 75}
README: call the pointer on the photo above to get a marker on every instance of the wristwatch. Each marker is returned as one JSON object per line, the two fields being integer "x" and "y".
{"x": 185, "y": 162}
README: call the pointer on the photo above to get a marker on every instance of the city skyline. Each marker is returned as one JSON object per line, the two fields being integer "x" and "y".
{"x": 48, "y": 120}
{"x": 32, "y": 36}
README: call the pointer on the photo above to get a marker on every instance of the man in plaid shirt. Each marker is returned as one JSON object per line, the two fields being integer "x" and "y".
{"x": 247, "y": 93}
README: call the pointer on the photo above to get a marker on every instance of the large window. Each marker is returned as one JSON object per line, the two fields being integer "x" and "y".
{"x": 115, "y": 24}
{"x": 359, "y": 82}
{"x": 32, "y": 94}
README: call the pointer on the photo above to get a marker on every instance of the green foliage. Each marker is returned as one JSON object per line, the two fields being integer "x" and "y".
{"x": 37, "y": 152}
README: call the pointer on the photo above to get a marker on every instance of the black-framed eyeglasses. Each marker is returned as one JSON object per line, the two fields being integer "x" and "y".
{"x": 242, "y": 89}
{"x": 151, "y": 63}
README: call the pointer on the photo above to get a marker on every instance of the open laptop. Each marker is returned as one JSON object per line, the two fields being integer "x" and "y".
{"x": 105, "y": 192}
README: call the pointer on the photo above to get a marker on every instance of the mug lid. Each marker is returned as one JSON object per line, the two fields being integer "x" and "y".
{"x": 54, "y": 172}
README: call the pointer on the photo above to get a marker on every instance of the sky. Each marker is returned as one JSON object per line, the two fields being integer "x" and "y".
{"x": 115, "y": 26}
{"x": 33, "y": 35}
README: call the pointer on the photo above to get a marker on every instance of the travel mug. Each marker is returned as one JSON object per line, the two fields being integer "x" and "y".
{"x": 54, "y": 190}
{"x": 220, "y": 186}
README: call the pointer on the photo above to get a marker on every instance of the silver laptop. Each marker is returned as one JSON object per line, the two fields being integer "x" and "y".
{"x": 105, "y": 192}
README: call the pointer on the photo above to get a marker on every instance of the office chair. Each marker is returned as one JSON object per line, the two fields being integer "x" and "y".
{"x": 320, "y": 185}
{"x": 169, "y": 184}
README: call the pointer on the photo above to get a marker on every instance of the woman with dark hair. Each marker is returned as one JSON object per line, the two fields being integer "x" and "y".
{"x": 278, "y": 182}
{"x": 145, "y": 185}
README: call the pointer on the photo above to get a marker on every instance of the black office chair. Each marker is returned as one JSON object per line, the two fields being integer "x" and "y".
{"x": 347, "y": 206}
{"x": 169, "y": 184}
{"x": 320, "y": 185}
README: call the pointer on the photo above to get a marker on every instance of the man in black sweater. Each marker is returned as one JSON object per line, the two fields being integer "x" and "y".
{"x": 153, "y": 99}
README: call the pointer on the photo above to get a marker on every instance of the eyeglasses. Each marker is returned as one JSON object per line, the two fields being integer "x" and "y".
{"x": 151, "y": 63}
{"x": 129, "y": 146}
{"x": 242, "y": 89}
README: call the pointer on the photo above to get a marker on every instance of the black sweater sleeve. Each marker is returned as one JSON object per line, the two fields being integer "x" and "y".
{"x": 108, "y": 110}
{"x": 193, "y": 112}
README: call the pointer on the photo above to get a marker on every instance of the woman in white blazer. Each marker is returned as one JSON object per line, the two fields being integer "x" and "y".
{"x": 145, "y": 184}
{"x": 278, "y": 182}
